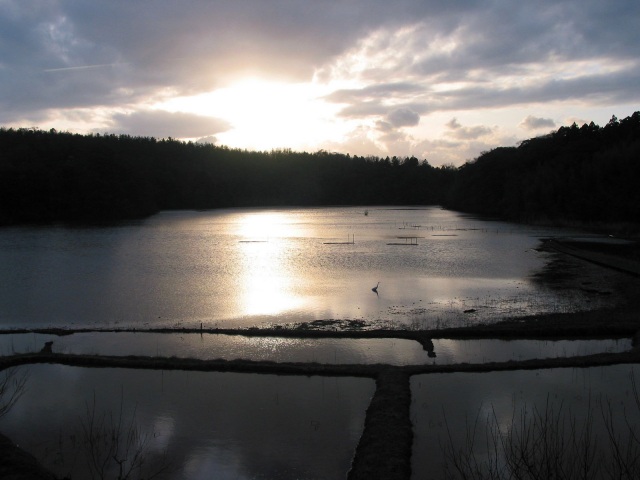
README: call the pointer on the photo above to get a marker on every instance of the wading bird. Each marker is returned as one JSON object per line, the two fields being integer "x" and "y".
{"x": 375, "y": 289}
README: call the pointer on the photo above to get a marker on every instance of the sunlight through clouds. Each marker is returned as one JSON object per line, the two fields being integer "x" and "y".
{"x": 266, "y": 115}
{"x": 365, "y": 78}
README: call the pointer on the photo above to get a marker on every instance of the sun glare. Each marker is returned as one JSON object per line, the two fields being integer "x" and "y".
{"x": 265, "y": 225}
{"x": 266, "y": 115}
{"x": 266, "y": 286}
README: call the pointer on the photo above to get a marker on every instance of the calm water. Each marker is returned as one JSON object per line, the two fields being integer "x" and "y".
{"x": 461, "y": 399}
{"x": 214, "y": 425}
{"x": 391, "y": 351}
{"x": 239, "y": 268}
{"x": 242, "y": 268}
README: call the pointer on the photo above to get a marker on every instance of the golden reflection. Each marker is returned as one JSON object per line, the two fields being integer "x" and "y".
{"x": 267, "y": 274}
{"x": 265, "y": 226}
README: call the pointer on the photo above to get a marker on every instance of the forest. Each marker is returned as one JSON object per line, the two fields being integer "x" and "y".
{"x": 586, "y": 174}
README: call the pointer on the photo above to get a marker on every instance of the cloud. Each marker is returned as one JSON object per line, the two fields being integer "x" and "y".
{"x": 158, "y": 123}
{"x": 360, "y": 141}
{"x": 456, "y": 130}
{"x": 403, "y": 117}
{"x": 535, "y": 123}
{"x": 211, "y": 140}
{"x": 384, "y": 66}
{"x": 447, "y": 62}
{"x": 375, "y": 92}
{"x": 165, "y": 45}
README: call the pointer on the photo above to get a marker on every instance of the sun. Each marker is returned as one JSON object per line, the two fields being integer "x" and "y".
{"x": 265, "y": 115}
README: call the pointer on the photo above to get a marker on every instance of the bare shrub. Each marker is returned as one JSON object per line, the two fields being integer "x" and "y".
{"x": 624, "y": 462}
{"x": 12, "y": 387}
{"x": 116, "y": 448}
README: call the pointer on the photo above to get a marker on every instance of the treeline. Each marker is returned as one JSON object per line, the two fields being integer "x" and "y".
{"x": 63, "y": 177}
{"x": 587, "y": 174}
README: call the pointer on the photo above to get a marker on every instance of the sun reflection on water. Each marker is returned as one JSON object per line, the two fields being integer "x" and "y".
{"x": 265, "y": 226}
{"x": 266, "y": 245}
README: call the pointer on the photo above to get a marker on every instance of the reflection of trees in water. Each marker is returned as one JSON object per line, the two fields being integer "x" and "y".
{"x": 550, "y": 442}
{"x": 113, "y": 445}
{"x": 12, "y": 386}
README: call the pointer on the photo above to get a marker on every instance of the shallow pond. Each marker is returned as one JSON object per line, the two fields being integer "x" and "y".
{"x": 246, "y": 267}
{"x": 489, "y": 350}
{"x": 321, "y": 350}
{"x": 214, "y": 425}
{"x": 451, "y": 406}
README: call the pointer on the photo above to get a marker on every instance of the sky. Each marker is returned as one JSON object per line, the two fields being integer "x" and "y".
{"x": 439, "y": 80}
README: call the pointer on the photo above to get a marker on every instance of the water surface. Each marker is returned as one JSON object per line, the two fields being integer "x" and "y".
{"x": 239, "y": 268}
{"x": 214, "y": 425}
{"x": 390, "y": 351}
{"x": 492, "y": 350}
{"x": 459, "y": 402}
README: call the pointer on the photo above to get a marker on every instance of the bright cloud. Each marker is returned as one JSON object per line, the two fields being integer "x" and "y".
{"x": 439, "y": 80}
{"x": 160, "y": 123}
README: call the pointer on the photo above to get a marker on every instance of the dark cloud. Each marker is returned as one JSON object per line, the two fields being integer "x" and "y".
{"x": 511, "y": 34}
{"x": 157, "y": 123}
{"x": 482, "y": 61}
{"x": 598, "y": 88}
{"x": 403, "y": 117}
{"x": 534, "y": 123}
{"x": 375, "y": 92}
{"x": 195, "y": 47}
{"x": 384, "y": 126}
{"x": 392, "y": 116}
{"x": 166, "y": 44}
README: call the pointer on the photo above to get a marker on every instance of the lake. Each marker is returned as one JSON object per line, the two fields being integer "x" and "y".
{"x": 261, "y": 267}
{"x": 246, "y": 268}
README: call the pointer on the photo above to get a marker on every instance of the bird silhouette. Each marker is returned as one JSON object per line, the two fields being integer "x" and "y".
{"x": 375, "y": 289}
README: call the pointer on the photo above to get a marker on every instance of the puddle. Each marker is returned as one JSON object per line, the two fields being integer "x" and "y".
{"x": 490, "y": 350}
